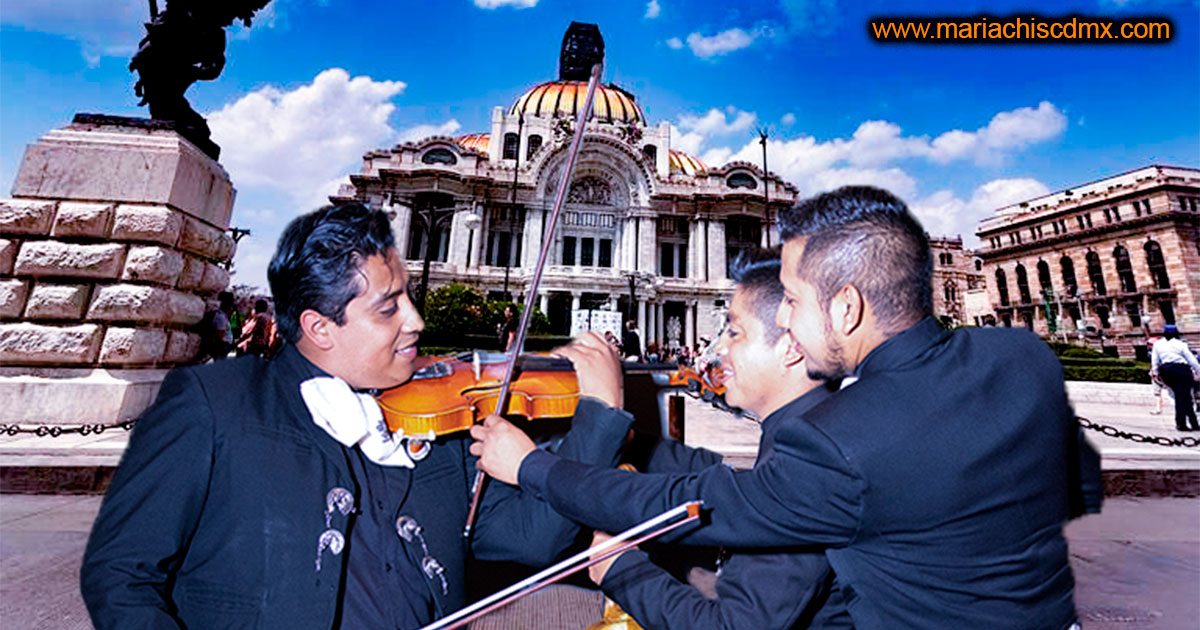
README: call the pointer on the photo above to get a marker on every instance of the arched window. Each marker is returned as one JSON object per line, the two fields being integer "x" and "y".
{"x": 1044, "y": 278}
{"x": 534, "y": 143}
{"x": 651, "y": 152}
{"x": 1023, "y": 285}
{"x": 1095, "y": 273}
{"x": 741, "y": 180}
{"x": 1158, "y": 267}
{"x": 1002, "y": 286}
{"x": 439, "y": 156}
{"x": 1068, "y": 275}
{"x": 512, "y": 144}
{"x": 1124, "y": 270}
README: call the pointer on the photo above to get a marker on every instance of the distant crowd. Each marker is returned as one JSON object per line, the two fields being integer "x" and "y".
{"x": 227, "y": 330}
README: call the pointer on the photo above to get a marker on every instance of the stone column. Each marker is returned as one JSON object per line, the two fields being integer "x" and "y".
{"x": 459, "y": 254}
{"x": 574, "y": 302}
{"x": 660, "y": 334}
{"x": 694, "y": 250}
{"x": 689, "y": 323}
{"x": 544, "y": 302}
{"x": 641, "y": 321}
{"x": 114, "y": 237}
{"x": 532, "y": 239}
{"x": 629, "y": 244}
{"x": 716, "y": 250}
{"x": 401, "y": 223}
{"x": 647, "y": 243}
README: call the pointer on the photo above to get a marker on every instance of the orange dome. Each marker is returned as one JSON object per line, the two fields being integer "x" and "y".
{"x": 476, "y": 141}
{"x": 686, "y": 164}
{"x": 564, "y": 98}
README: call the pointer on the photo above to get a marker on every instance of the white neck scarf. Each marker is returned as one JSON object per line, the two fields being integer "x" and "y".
{"x": 352, "y": 418}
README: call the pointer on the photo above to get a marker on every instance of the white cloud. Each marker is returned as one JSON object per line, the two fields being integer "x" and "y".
{"x": 877, "y": 142}
{"x": 418, "y": 132}
{"x": 895, "y": 180}
{"x": 722, "y": 43}
{"x": 788, "y": 119}
{"x": 103, "y": 28}
{"x": 495, "y": 4}
{"x": 687, "y": 142}
{"x": 652, "y": 10}
{"x": 297, "y": 141}
{"x": 943, "y": 213}
{"x": 253, "y": 256}
{"x": 715, "y": 121}
{"x": 108, "y": 28}
{"x": 675, "y": 43}
{"x": 1007, "y": 131}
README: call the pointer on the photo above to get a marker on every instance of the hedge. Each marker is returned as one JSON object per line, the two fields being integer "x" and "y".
{"x": 1106, "y": 373}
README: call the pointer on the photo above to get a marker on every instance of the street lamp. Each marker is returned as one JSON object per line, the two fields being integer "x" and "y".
{"x": 434, "y": 218}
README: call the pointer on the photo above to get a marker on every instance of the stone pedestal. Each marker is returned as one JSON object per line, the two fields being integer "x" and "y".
{"x": 113, "y": 238}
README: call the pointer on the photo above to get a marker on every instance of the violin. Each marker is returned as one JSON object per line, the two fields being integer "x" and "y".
{"x": 450, "y": 394}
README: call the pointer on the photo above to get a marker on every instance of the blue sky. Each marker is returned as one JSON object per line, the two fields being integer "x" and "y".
{"x": 955, "y": 130}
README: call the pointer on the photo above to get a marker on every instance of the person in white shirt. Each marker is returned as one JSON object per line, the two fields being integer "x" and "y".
{"x": 1173, "y": 362}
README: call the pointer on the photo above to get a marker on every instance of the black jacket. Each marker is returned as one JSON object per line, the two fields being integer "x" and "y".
{"x": 939, "y": 483}
{"x": 214, "y": 515}
{"x": 756, "y": 589}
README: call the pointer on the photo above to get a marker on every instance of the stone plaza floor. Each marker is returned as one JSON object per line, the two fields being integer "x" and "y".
{"x": 1137, "y": 564}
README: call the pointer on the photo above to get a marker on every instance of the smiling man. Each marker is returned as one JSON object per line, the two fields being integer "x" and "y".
{"x": 937, "y": 479}
{"x": 270, "y": 494}
{"x": 768, "y": 588}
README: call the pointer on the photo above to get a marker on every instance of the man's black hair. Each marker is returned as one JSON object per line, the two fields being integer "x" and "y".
{"x": 756, "y": 272}
{"x": 225, "y": 300}
{"x": 866, "y": 237}
{"x": 260, "y": 306}
{"x": 316, "y": 265}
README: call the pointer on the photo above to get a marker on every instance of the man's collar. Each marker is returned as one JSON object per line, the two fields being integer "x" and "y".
{"x": 801, "y": 405}
{"x": 904, "y": 348}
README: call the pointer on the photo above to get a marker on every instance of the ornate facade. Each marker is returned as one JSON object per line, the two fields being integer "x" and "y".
{"x": 957, "y": 275}
{"x": 1107, "y": 263}
{"x": 646, "y": 229}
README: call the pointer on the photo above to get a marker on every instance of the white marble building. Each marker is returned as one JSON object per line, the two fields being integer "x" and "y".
{"x": 641, "y": 219}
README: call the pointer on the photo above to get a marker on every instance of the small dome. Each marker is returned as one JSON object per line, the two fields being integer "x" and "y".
{"x": 477, "y": 141}
{"x": 686, "y": 164}
{"x": 564, "y": 98}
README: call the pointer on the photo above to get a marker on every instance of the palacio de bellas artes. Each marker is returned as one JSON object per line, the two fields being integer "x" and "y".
{"x": 119, "y": 233}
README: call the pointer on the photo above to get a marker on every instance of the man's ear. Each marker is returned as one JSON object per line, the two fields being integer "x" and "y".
{"x": 316, "y": 327}
{"x": 846, "y": 310}
{"x": 789, "y": 356}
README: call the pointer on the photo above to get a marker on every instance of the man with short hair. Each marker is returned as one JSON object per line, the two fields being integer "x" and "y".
{"x": 270, "y": 493}
{"x": 938, "y": 477}
{"x": 754, "y": 589}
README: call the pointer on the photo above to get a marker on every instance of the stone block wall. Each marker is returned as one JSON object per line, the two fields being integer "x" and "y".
{"x": 114, "y": 282}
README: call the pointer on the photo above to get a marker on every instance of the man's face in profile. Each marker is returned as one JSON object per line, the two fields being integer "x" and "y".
{"x": 376, "y": 345}
{"x": 751, "y": 364}
{"x": 807, "y": 321}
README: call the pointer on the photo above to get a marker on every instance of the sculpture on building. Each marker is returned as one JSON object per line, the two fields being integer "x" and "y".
{"x": 185, "y": 43}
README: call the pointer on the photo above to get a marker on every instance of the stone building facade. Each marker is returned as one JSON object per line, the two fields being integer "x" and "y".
{"x": 646, "y": 229}
{"x": 1107, "y": 263}
{"x": 111, "y": 241}
{"x": 957, "y": 274}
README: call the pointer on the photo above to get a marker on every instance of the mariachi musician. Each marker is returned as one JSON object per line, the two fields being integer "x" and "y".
{"x": 259, "y": 493}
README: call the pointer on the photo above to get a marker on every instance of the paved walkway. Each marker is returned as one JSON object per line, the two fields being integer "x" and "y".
{"x": 1137, "y": 564}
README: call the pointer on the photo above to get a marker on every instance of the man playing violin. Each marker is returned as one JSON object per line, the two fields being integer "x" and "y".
{"x": 767, "y": 588}
{"x": 937, "y": 478}
{"x": 270, "y": 494}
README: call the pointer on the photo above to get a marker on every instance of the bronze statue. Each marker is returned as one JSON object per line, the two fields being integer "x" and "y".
{"x": 185, "y": 43}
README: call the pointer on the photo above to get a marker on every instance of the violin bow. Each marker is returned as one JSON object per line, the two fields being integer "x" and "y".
{"x": 560, "y": 196}
{"x": 620, "y": 543}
